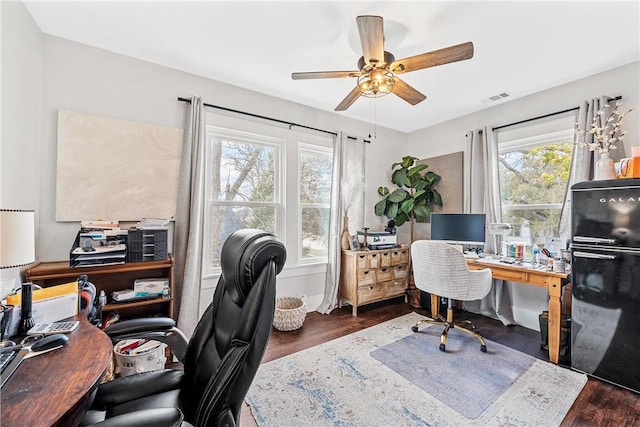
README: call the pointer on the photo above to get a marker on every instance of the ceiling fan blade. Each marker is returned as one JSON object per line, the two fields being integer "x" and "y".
{"x": 372, "y": 38}
{"x": 350, "y": 99}
{"x": 431, "y": 59}
{"x": 324, "y": 75}
{"x": 407, "y": 92}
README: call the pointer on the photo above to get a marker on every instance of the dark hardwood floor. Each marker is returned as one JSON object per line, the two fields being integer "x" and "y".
{"x": 599, "y": 403}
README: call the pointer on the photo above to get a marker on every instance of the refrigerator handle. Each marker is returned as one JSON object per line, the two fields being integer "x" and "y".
{"x": 584, "y": 239}
{"x": 579, "y": 254}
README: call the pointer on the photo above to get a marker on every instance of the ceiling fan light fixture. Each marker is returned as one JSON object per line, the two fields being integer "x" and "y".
{"x": 377, "y": 82}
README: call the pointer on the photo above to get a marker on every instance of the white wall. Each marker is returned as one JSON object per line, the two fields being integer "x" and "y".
{"x": 21, "y": 90}
{"x": 42, "y": 74}
{"x": 83, "y": 78}
{"x": 449, "y": 137}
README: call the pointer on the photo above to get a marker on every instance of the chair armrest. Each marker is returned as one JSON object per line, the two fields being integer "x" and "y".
{"x": 212, "y": 412}
{"x": 156, "y": 328}
{"x": 157, "y": 417}
{"x": 126, "y": 389}
{"x": 139, "y": 325}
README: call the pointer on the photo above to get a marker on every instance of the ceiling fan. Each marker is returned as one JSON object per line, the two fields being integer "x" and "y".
{"x": 378, "y": 69}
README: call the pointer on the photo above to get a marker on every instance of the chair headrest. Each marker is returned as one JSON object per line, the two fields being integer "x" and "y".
{"x": 244, "y": 255}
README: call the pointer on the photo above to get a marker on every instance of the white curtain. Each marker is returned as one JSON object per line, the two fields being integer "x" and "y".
{"x": 347, "y": 198}
{"x": 189, "y": 224}
{"x": 484, "y": 197}
{"x": 582, "y": 160}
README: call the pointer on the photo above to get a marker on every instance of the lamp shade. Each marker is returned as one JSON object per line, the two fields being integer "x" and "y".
{"x": 17, "y": 238}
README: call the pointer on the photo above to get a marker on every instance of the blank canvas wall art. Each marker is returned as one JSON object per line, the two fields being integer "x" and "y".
{"x": 115, "y": 169}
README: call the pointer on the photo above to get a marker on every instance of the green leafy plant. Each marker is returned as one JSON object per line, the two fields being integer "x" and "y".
{"x": 415, "y": 196}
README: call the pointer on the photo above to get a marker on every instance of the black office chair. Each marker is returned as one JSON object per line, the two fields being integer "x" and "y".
{"x": 222, "y": 357}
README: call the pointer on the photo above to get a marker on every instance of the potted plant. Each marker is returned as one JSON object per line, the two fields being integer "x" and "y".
{"x": 412, "y": 201}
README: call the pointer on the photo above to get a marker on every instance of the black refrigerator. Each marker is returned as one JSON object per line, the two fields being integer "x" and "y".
{"x": 605, "y": 279}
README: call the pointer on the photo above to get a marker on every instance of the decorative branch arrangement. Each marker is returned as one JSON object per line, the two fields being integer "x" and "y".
{"x": 606, "y": 131}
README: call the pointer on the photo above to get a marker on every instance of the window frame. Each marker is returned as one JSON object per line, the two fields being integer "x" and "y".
{"x": 289, "y": 140}
{"x": 211, "y": 132}
{"x": 524, "y": 137}
{"x": 304, "y": 147}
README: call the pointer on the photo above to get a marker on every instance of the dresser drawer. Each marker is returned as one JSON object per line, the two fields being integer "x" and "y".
{"x": 384, "y": 274}
{"x": 366, "y": 277}
{"x": 395, "y": 288}
{"x": 400, "y": 272}
{"x": 370, "y": 293}
{"x": 374, "y": 260}
{"x": 385, "y": 259}
{"x": 399, "y": 257}
{"x": 362, "y": 261}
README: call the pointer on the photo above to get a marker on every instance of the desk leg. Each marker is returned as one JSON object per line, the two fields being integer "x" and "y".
{"x": 435, "y": 306}
{"x": 555, "y": 319}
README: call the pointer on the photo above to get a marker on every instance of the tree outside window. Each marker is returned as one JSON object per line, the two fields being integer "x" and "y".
{"x": 243, "y": 190}
{"x": 534, "y": 172}
{"x": 315, "y": 167}
{"x": 270, "y": 179}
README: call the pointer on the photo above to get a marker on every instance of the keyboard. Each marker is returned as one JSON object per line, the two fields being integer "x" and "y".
{"x": 6, "y": 358}
{"x": 54, "y": 328}
{"x": 471, "y": 255}
{"x": 10, "y": 361}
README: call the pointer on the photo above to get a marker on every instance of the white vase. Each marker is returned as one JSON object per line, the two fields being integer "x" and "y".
{"x": 604, "y": 168}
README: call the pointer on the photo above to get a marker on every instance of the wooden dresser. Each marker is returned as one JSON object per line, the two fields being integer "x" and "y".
{"x": 373, "y": 275}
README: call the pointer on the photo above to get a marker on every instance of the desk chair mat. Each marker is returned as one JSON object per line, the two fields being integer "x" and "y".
{"x": 463, "y": 378}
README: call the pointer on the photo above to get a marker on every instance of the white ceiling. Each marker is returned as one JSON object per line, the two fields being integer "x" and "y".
{"x": 521, "y": 47}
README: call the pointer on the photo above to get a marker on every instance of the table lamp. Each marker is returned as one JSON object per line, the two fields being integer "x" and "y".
{"x": 502, "y": 230}
{"x": 17, "y": 248}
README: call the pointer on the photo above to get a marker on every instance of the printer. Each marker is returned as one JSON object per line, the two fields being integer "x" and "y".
{"x": 379, "y": 239}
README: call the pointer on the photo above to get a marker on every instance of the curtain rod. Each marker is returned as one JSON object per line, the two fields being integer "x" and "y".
{"x": 272, "y": 119}
{"x": 548, "y": 115}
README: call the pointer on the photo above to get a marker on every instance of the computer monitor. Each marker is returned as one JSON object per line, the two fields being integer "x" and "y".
{"x": 458, "y": 228}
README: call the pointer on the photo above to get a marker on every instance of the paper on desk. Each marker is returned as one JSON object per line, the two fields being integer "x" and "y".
{"x": 100, "y": 250}
{"x": 50, "y": 304}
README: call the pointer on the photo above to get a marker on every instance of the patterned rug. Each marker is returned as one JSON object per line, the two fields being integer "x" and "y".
{"x": 340, "y": 383}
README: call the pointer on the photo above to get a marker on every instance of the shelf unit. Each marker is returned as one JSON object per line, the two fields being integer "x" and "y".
{"x": 373, "y": 275}
{"x": 112, "y": 278}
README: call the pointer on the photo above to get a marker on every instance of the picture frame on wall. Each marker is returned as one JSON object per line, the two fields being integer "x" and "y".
{"x": 354, "y": 245}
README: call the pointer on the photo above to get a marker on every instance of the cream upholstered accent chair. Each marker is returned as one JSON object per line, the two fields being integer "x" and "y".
{"x": 441, "y": 269}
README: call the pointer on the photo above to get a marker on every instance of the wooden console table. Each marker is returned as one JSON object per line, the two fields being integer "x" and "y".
{"x": 516, "y": 273}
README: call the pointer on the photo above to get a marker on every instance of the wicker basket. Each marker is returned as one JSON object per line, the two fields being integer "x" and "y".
{"x": 290, "y": 313}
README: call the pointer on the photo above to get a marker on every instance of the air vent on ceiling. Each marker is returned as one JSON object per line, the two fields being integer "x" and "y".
{"x": 497, "y": 97}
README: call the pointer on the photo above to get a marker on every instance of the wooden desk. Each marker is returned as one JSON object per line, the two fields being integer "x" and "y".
{"x": 56, "y": 388}
{"x": 541, "y": 278}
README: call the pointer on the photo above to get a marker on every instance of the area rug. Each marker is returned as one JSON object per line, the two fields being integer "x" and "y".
{"x": 340, "y": 383}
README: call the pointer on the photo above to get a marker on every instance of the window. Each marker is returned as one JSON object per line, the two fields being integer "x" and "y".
{"x": 533, "y": 163}
{"x": 266, "y": 177}
{"x": 243, "y": 186}
{"x": 315, "y": 166}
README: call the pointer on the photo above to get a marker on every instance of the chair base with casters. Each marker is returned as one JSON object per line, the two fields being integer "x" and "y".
{"x": 449, "y": 324}
{"x": 440, "y": 269}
